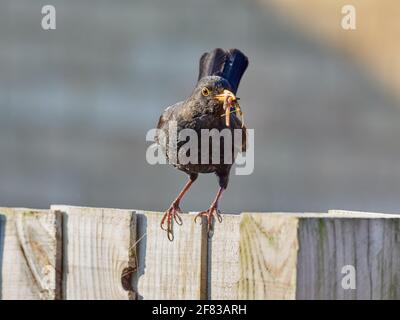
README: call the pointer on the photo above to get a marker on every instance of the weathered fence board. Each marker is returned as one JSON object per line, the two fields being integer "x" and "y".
{"x": 30, "y": 254}
{"x": 98, "y": 257}
{"x": 253, "y": 256}
{"x": 169, "y": 270}
{"x": 93, "y": 253}
{"x": 370, "y": 243}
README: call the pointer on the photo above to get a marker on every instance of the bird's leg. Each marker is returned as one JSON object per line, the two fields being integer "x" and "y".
{"x": 211, "y": 211}
{"x": 174, "y": 209}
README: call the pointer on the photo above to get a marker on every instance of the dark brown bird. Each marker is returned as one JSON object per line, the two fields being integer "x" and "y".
{"x": 212, "y": 105}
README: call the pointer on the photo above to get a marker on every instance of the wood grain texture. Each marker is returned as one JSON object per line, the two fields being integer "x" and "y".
{"x": 169, "y": 270}
{"x": 99, "y": 259}
{"x": 30, "y": 254}
{"x": 371, "y": 245}
{"x": 123, "y": 254}
{"x": 253, "y": 256}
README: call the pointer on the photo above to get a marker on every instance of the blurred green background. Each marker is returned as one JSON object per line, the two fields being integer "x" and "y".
{"x": 76, "y": 102}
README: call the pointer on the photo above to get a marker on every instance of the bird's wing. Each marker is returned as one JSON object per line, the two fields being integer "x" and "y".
{"x": 230, "y": 65}
{"x": 166, "y": 116}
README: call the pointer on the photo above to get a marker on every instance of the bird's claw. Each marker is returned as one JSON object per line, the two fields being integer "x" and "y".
{"x": 178, "y": 219}
{"x": 169, "y": 215}
{"x": 209, "y": 214}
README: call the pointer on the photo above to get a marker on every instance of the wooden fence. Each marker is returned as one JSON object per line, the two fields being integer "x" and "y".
{"x": 93, "y": 253}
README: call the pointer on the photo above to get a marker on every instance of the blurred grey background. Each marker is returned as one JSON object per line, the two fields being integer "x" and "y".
{"x": 76, "y": 103}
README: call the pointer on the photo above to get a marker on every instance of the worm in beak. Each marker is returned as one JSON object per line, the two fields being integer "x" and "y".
{"x": 230, "y": 101}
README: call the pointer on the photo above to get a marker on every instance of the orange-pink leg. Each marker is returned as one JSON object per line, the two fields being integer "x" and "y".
{"x": 213, "y": 210}
{"x": 173, "y": 212}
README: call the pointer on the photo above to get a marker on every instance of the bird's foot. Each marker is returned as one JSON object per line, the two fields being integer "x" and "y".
{"x": 209, "y": 214}
{"x": 170, "y": 215}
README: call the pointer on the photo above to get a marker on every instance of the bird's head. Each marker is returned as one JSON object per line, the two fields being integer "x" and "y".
{"x": 215, "y": 93}
{"x": 220, "y": 72}
{"x": 213, "y": 90}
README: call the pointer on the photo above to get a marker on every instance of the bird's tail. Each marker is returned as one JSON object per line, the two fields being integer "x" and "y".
{"x": 228, "y": 64}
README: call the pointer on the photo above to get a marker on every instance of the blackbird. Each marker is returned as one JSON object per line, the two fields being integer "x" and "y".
{"x": 212, "y": 105}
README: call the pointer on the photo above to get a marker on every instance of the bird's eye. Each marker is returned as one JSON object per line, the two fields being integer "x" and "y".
{"x": 205, "y": 91}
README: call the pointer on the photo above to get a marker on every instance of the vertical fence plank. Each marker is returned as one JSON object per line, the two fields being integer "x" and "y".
{"x": 99, "y": 257}
{"x": 253, "y": 256}
{"x": 169, "y": 270}
{"x": 30, "y": 254}
{"x": 224, "y": 263}
{"x": 368, "y": 243}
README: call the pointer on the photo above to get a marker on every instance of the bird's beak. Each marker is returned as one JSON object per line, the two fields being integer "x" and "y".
{"x": 224, "y": 95}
